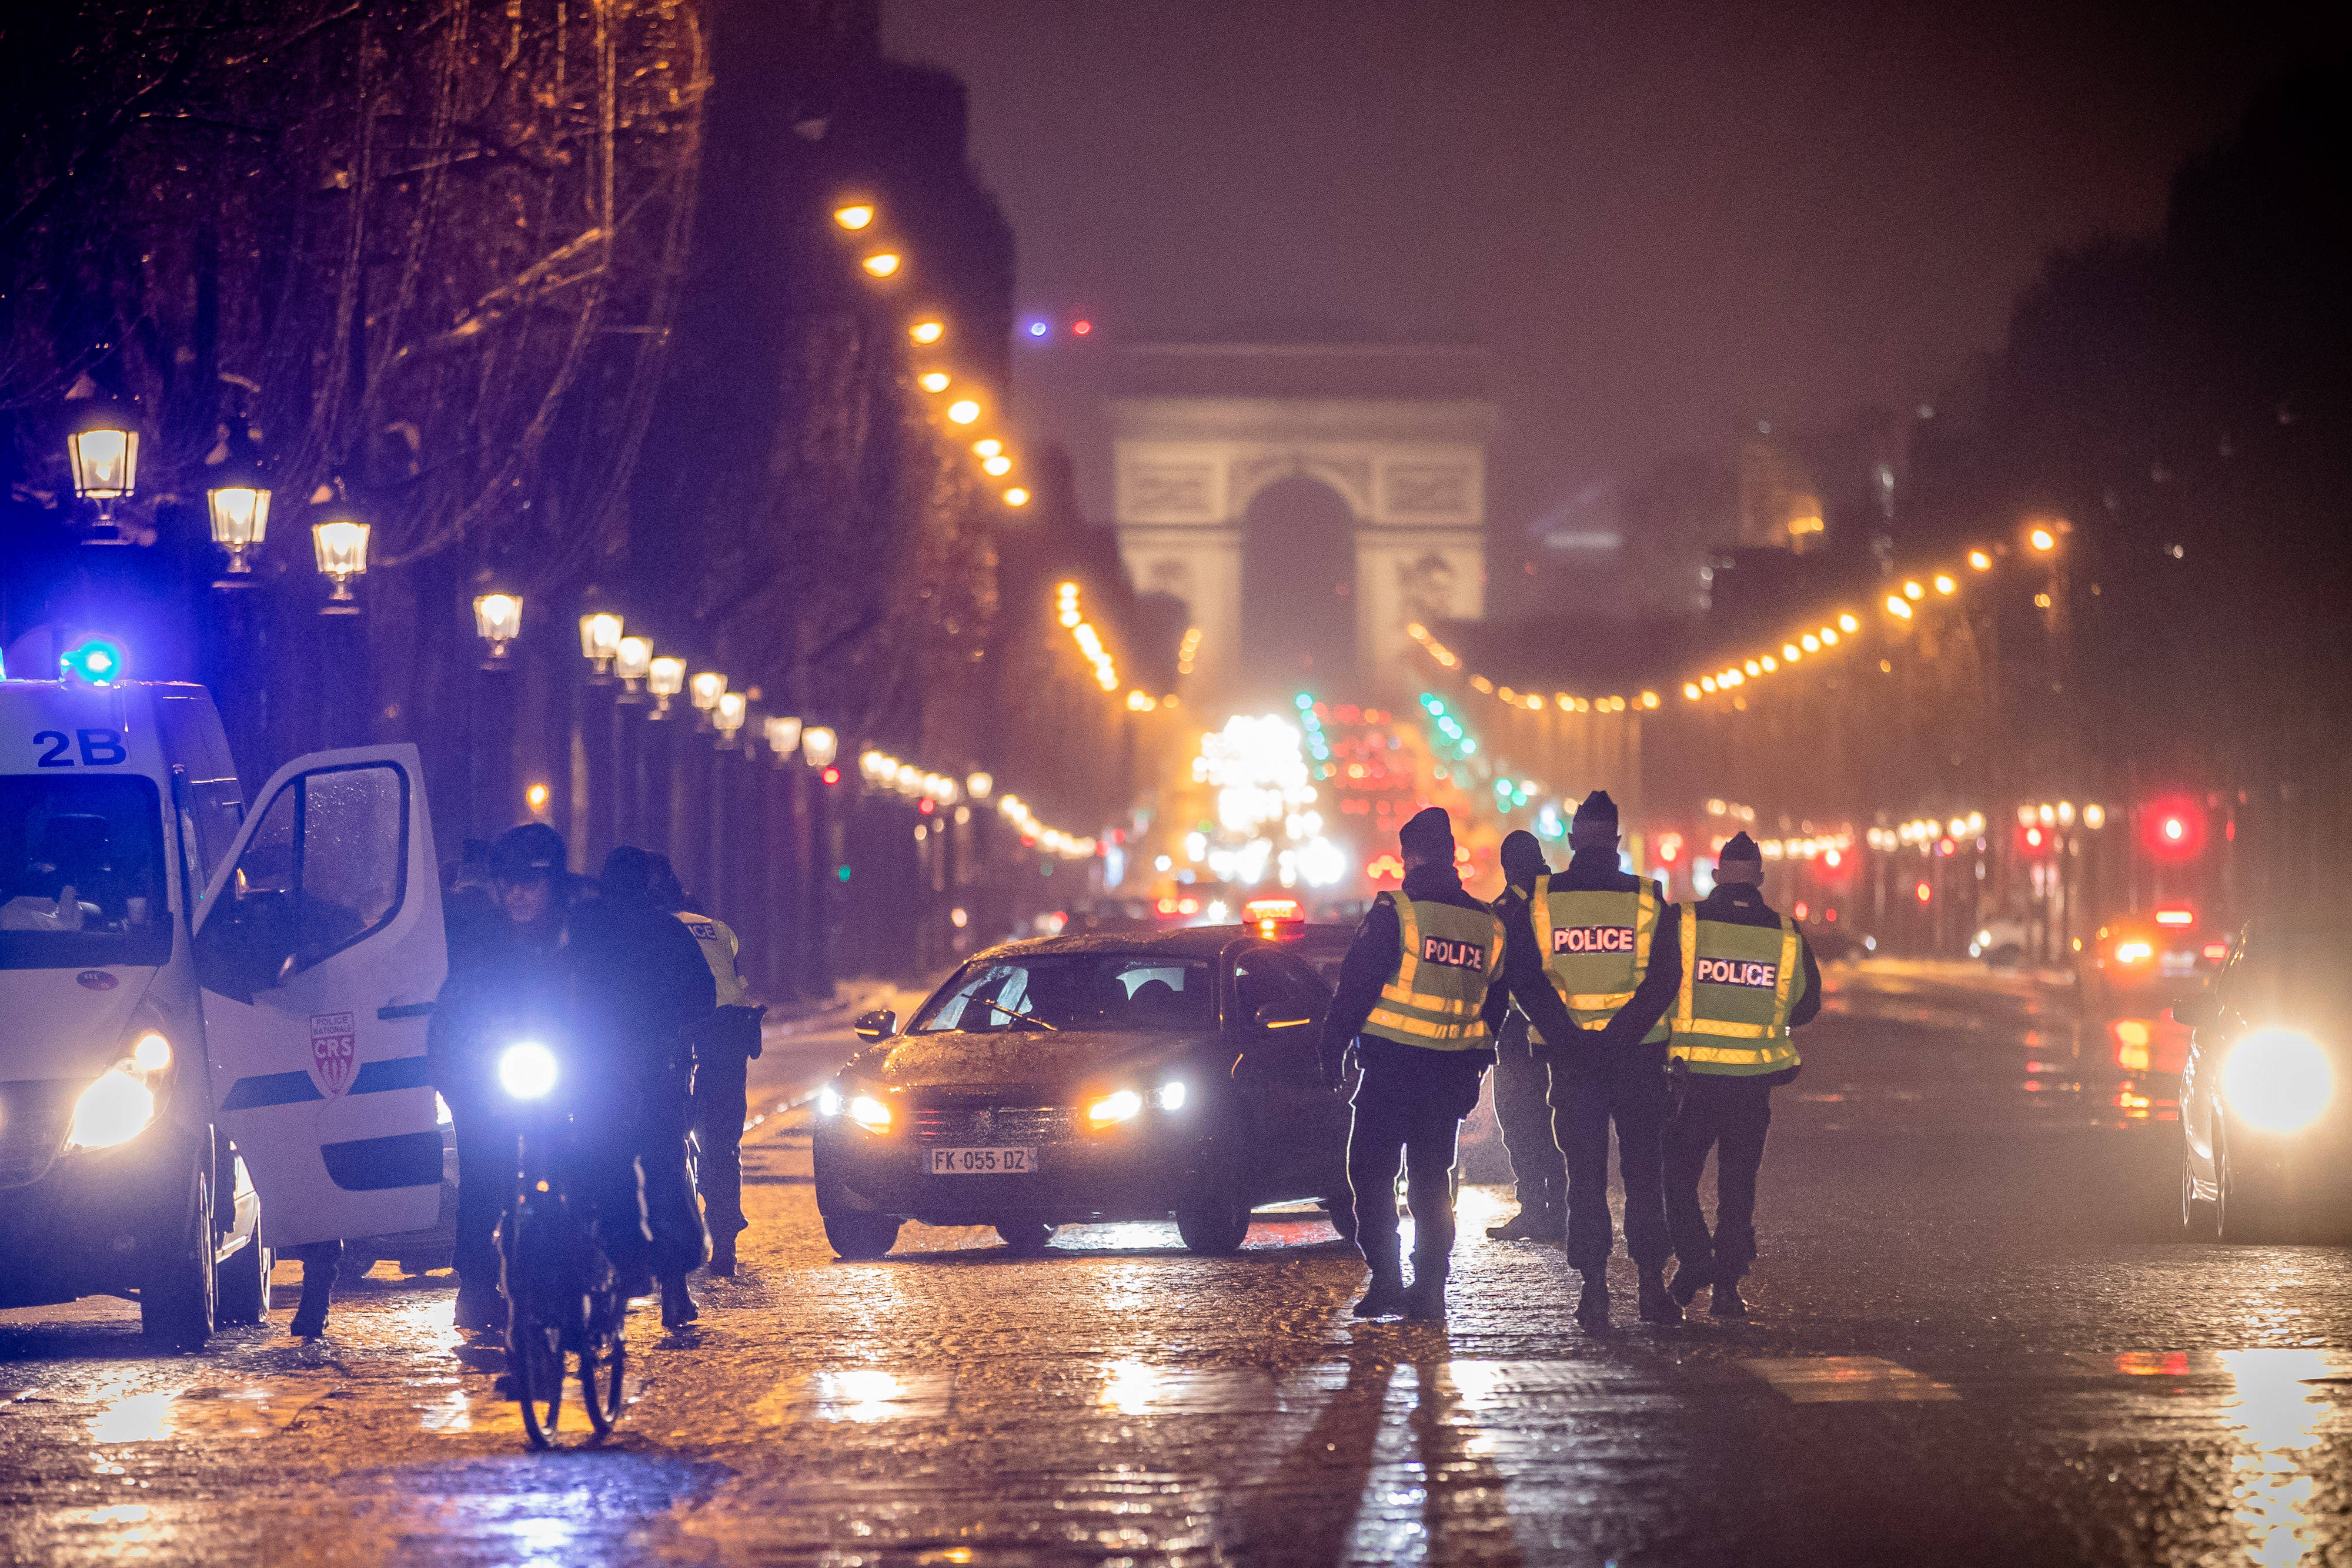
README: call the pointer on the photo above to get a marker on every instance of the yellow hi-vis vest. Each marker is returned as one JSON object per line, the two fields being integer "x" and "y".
{"x": 1596, "y": 949}
{"x": 1451, "y": 955}
{"x": 1739, "y": 983}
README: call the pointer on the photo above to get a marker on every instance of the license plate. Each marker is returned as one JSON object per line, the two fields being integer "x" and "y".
{"x": 983, "y": 1162}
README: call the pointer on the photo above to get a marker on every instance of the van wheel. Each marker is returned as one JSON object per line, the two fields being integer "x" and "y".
{"x": 858, "y": 1237}
{"x": 179, "y": 1300}
{"x": 244, "y": 1280}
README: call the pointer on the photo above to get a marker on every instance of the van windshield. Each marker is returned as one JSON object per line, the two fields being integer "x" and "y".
{"x": 82, "y": 873}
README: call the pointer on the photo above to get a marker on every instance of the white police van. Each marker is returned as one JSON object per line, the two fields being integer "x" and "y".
{"x": 212, "y": 1027}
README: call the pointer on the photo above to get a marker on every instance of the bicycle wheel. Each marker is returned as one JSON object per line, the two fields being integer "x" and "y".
{"x": 605, "y": 1364}
{"x": 535, "y": 1361}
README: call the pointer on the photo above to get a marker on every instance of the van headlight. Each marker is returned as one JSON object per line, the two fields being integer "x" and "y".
{"x": 121, "y": 1104}
{"x": 527, "y": 1071}
{"x": 2278, "y": 1080}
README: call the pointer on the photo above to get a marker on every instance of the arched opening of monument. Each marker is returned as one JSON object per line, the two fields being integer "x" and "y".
{"x": 1298, "y": 592}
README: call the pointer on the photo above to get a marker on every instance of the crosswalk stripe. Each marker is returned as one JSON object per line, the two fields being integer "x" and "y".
{"x": 1846, "y": 1379}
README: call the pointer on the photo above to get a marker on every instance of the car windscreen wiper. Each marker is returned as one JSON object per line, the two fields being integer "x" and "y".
{"x": 1024, "y": 1018}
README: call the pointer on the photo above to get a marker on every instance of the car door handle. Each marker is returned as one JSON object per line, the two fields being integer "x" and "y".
{"x": 405, "y": 1010}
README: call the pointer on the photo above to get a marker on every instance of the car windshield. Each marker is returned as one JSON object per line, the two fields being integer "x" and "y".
{"x": 82, "y": 873}
{"x": 1072, "y": 992}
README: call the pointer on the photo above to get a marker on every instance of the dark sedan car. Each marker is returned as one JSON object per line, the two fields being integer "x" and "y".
{"x": 2266, "y": 1117}
{"x": 1090, "y": 1078}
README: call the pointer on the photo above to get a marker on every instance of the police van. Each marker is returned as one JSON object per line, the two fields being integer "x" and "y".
{"x": 211, "y": 1024}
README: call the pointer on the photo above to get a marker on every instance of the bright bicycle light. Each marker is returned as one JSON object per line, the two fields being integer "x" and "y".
{"x": 114, "y": 1110}
{"x": 1123, "y": 1106}
{"x": 152, "y": 1054}
{"x": 527, "y": 1071}
{"x": 869, "y": 1112}
{"x": 1171, "y": 1096}
{"x": 2278, "y": 1080}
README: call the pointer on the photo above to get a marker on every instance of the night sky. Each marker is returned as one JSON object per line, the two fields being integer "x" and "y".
{"x": 1666, "y": 219}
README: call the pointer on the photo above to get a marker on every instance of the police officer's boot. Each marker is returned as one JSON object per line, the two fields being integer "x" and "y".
{"x": 1688, "y": 1279}
{"x": 1530, "y": 1224}
{"x": 1593, "y": 1303}
{"x": 310, "y": 1316}
{"x": 1382, "y": 1299}
{"x": 678, "y": 1308}
{"x": 1726, "y": 1301}
{"x": 1424, "y": 1299}
{"x": 1658, "y": 1304}
{"x": 722, "y": 1257}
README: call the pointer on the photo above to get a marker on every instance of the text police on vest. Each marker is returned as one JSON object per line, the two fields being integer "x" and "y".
{"x": 1737, "y": 972}
{"x": 1592, "y": 939}
{"x": 1453, "y": 955}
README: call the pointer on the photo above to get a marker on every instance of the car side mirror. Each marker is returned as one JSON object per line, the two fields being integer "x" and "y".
{"x": 1274, "y": 1015}
{"x": 876, "y": 1025}
{"x": 2196, "y": 1011}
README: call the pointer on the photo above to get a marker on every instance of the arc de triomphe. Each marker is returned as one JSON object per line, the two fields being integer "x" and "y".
{"x": 1390, "y": 430}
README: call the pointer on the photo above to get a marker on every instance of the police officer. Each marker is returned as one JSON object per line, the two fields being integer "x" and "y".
{"x": 509, "y": 980}
{"x": 1595, "y": 982}
{"x": 1523, "y": 1082}
{"x": 723, "y": 1052}
{"x": 1417, "y": 997}
{"x": 1747, "y": 979}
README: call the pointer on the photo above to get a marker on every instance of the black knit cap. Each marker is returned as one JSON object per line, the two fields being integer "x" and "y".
{"x": 533, "y": 849}
{"x": 1523, "y": 859}
{"x": 1429, "y": 834}
{"x": 1740, "y": 847}
{"x": 1595, "y": 809}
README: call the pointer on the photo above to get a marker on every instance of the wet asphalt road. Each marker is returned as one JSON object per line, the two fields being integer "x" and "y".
{"x": 1977, "y": 1338}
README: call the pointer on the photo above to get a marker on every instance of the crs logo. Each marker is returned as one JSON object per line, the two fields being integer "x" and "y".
{"x": 1592, "y": 939}
{"x": 1453, "y": 955}
{"x": 1737, "y": 972}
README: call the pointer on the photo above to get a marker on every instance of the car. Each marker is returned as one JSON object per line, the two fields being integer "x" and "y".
{"x": 213, "y": 1035}
{"x": 1093, "y": 1078}
{"x": 2266, "y": 1089}
{"x": 2140, "y": 962}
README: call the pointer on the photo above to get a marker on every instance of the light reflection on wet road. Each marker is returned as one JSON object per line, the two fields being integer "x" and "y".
{"x": 1976, "y": 1339}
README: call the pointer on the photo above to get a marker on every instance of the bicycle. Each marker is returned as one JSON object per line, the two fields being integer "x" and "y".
{"x": 565, "y": 1301}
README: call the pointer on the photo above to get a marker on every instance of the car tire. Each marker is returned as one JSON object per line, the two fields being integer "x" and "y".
{"x": 2198, "y": 1216}
{"x": 1026, "y": 1238}
{"x": 178, "y": 1301}
{"x": 244, "y": 1280}
{"x": 1215, "y": 1222}
{"x": 858, "y": 1237}
{"x": 2244, "y": 1213}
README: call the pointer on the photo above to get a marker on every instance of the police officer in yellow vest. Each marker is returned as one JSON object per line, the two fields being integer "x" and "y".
{"x": 1747, "y": 981}
{"x": 1592, "y": 971}
{"x": 1419, "y": 997}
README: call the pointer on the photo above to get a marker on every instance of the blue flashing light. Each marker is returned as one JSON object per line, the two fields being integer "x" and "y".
{"x": 97, "y": 661}
{"x": 1305, "y": 703}
{"x": 1038, "y": 328}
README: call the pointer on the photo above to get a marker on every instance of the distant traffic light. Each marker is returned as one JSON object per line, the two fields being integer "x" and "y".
{"x": 2172, "y": 828}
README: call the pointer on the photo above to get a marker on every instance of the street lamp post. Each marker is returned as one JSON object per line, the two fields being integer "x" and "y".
{"x": 819, "y": 747}
{"x": 103, "y": 448}
{"x": 788, "y": 855}
{"x": 498, "y": 620}
{"x": 238, "y": 504}
{"x": 341, "y": 545}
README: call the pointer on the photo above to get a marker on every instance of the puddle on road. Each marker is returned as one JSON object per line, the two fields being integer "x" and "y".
{"x": 855, "y": 1394}
{"x": 1847, "y": 1379}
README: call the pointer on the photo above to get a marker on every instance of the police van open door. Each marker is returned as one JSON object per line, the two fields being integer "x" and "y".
{"x": 320, "y": 950}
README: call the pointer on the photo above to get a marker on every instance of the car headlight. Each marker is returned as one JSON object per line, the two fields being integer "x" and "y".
{"x": 2277, "y": 1081}
{"x": 869, "y": 1112}
{"x": 2134, "y": 952}
{"x": 828, "y": 1101}
{"x": 114, "y": 1110}
{"x": 1172, "y": 1095}
{"x": 1124, "y": 1105}
{"x": 527, "y": 1071}
{"x": 150, "y": 1053}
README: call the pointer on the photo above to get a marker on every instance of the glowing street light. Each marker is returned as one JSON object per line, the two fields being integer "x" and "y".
{"x": 703, "y": 689}
{"x": 1913, "y": 590}
{"x": 1944, "y": 584}
{"x": 998, "y": 465}
{"x": 989, "y": 447}
{"x": 1979, "y": 561}
{"x": 932, "y": 380}
{"x": 600, "y": 643}
{"x": 665, "y": 678}
{"x": 979, "y": 785}
{"x": 104, "y": 450}
{"x": 881, "y": 264}
{"x": 633, "y": 659}
{"x": 341, "y": 547}
{"x": 2042, "y": 540}
{"x": 497, "y": 620}
{"x": 854, "y": 216}
{"x": 928, "y": 331}
{"x": 1898, "y": 607}
{"x": 783, "y": 733}
{"x": 819, "y": 746}
{"x": 728, "y": 716}
{"x": 238, "y": 504}
{"x": 1016, "y": 496}
{"x": 963, "y": 411}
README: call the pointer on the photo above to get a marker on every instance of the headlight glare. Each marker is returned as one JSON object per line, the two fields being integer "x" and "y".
{"x": 2277, "y": 1081}
{"x": 527, "y": 1071}
{"x": 1172, "y": 1095}
{"x": 114, "y": 1110}
{"x": 828, "y": 1101}
{"x": 441, "y": 1116}
{"x": 151, "y": 1053}
{"x": 1124, "y": 1105}
{"x": 869, "y": 1112}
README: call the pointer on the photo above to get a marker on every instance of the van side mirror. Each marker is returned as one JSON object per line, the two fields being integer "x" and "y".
{"x": 876, "y": 1025}
{"x": 2196, "y": 1011}
{"x": 1274, "y": 1015}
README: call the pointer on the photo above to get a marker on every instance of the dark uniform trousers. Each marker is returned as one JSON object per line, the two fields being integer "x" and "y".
{"x": 723, "y": 1057}
{"x": 1523, "y": 1088}
{"x": 1589, "y": 1093}
{"x": 1731, "y": 1116}
{"x": 486, "y": 1182}
{"x": 1410, "y": 1102}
